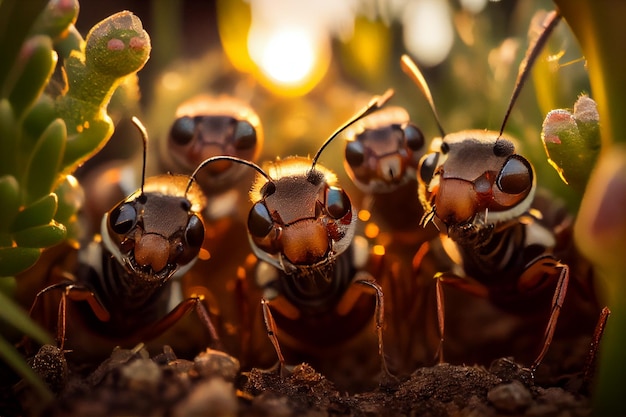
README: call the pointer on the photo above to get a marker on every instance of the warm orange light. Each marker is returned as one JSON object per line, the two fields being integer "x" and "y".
{"x": 364, "y": 215}
{"x": 290, "y": 60}
{"x": 378, "y": 250}
{"x": 371, "y": 230}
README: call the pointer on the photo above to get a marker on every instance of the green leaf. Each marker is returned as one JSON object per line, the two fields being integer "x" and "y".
{"x": 39, "y": 116}
{"x": 572, "y": 141}
{"x": 14, "y": 260}
{"x": 8, "y": 138}
{"x": 10, "y": 198}
{"x": 71, "y": 198}
{"x": 40, "y": 236}
{"x": 91, "y": 139}
{"x": 16, "y": 19}
{"x": 13, "y": 314}
{"x": 44, "y": 165}
{"x": 37, "y": 61}
{"x": 56, "y": 18}
{"x": 36, "y": 214}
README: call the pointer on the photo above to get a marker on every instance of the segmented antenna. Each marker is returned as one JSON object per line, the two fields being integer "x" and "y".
{"x": 144, "y": 137}
{"x": 412, "y": 70}
{"x": 534, "y": 48}
{"x": 212, "y": 159}
{"x": 376, "y": 103}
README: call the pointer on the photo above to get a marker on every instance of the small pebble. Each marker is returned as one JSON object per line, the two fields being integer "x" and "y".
{"x": 212, "y": 363}
{"x": 141, "y": 375}
{"x": 512, "y": 397}
{"x": 213, "y": 397}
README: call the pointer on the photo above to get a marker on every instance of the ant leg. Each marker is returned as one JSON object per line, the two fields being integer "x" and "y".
{"x": 241, "y": 295}
{"x": 270, "y": 326}
{"x": 466, "y": 285}
{"x": 195, "y": 303}
{"x": 75, "y": 292}
{"x": 61, "y": 316}
{"x": 557, "y": 303}
{"x": 590, "y": 361}
{"x": 441, "y": 312}
{"x": 380, "y": 316}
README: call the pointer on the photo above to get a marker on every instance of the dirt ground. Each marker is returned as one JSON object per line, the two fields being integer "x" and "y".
{"x": 132, "y": 383}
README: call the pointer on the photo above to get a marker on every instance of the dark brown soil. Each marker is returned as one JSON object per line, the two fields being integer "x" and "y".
{"x": 132, "y": 383}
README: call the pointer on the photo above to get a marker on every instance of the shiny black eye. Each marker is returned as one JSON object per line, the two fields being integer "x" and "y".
{"x": 259, "y": 220}
{"x": 268, "y": 189}
{"x": 414, "y": 137}
{"x": 123, "y": 218}
{"x": 245, "y": 135}
{"x": 427, "y": 167}
{"x": 337, "y": 202}
{"x": 355, "y": 154}
{"x": 182, "y": 130}
{"x": 194, "y": 233}
{"x": 516, "y": 176}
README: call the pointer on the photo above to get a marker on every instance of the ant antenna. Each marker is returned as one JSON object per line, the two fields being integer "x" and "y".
{"x": 411, "y": 69}
{"x": 206, "y": 162}
{"x": 376, "y": 103}
{"x": 144, "y": 137}
{"x": 534, "y": 48}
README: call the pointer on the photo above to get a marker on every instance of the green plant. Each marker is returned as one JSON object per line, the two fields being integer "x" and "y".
{"x": 600, "y": 229}
{"x": 44, "y": 136}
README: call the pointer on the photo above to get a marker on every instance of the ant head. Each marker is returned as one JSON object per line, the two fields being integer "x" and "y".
{"x": 156, "y": 231}
{"x": 472, "y": 180}
{"x": 207, "y": 126}
{"x": 383, "y": 151}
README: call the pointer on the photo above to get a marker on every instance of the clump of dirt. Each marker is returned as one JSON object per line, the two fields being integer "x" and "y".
{"x": 130, "y": 382}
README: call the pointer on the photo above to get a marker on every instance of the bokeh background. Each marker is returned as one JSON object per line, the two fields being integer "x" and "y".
{"x": 307, "y": 66}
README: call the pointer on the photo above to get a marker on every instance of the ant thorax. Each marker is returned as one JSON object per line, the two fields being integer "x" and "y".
{"x": 473, "y": 183}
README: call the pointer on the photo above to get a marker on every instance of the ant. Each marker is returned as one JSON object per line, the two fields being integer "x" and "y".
{"x": 204, "y": 127}
{"x": 482, "y": 196}
{"x": 121, "y": 288}
{"x": 382, "y": 154}
{"x": 317, "y": 291}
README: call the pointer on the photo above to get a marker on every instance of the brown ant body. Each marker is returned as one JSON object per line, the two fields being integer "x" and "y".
{"x": 482, "y": 196}
{"x": 204, "y": 127}
{"x": 382, "y": 153}
{"x": 317, "y": 291}
{"x": 120, "y": 292}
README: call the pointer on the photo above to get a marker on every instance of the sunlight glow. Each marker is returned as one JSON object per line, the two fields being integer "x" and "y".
{"x": 428, "y": 31}
{"x": 288, "y": 56}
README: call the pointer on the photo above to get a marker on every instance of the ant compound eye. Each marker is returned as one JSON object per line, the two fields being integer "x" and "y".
{"x": 268, "y": 189}
{"x": 355, "y": 154}
{"x": 123, "y": 218}
{"x": 337, "y": 203}
{"x": 182, "y": 130}
{"x": 194, "y": 233}
{"x": 414, "y": 137}
{"x": 260, "y": 222}
{"x": 427, "y": 167}
{"x": 245, "y": 135}
{"x": 516, "y": 176}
